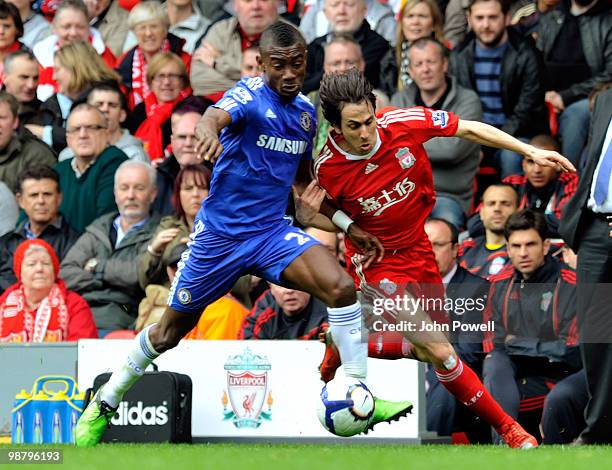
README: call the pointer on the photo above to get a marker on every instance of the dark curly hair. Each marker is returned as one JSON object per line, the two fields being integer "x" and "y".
{"x": 340, "y": 89}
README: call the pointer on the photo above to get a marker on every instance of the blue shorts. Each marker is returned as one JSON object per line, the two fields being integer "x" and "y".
{"x": 212, "y": 264}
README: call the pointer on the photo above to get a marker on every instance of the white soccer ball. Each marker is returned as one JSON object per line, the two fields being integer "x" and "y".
{"x": 346, "y": 407}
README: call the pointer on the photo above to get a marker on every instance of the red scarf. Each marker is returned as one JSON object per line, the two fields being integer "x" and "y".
{"x": 140, "y": 88}
{"x": 48, "y": 323}
{"x": 150, "y": 131}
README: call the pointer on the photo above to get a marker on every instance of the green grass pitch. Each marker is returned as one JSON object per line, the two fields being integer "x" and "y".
{"x": 336, "y": 457}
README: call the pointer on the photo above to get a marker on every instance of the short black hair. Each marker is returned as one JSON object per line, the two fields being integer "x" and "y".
{"x": 339, "y": 89}
{"x": 280, "y": 34}
{"x": 41, "y": 172}
{"x": 8, "y": 10}
{"x": 545, "y": 140}
{"x": 453, "y": 230}
{"x": 502, "y": 185}
{"x": 526, "y": 219}
{"x": 505, "y": 5}
{"x": 112, "y": 86}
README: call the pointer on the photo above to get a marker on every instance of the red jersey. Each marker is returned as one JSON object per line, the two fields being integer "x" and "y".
{"x": 388, "y": 192}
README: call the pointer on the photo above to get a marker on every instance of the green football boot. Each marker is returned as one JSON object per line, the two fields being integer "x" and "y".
{"x": 94, "y": 420}
{"x": 388, "y": 411}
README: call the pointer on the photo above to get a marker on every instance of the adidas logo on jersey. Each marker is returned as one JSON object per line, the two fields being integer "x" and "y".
{"x": 370, "y": 167}
{"x": 270, "y": 114}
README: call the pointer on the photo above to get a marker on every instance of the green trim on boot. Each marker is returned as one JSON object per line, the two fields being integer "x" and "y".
{"x": 94, "y": 420}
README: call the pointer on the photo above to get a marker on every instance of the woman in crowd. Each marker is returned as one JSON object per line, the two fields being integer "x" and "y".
{"x": 35, "y": 26}
{"x": 149, "y": 22}
{"x": 11, "y": 29}
{"x": 168, "y": 82}
{"x": 77, "y": 66}
{"x": 39, "y": 307}
{"x": 419, "y": 19}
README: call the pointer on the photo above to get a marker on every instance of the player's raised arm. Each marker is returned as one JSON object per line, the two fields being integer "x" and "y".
{"x": 208, "y": 146}
{"x": 490, "y": 136}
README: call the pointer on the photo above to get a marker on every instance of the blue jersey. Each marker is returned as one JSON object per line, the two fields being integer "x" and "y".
{"x": 262, "y": 149}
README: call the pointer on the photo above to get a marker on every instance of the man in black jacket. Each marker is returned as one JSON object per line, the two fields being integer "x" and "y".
{"x": 506, "y": 71}
{"x": 584, "y": 226}
{"x": 533, "y": 306}
{"x": 39, "y": 195}
{"x": 344, "y": 18}
{"x": 576, "y": 42}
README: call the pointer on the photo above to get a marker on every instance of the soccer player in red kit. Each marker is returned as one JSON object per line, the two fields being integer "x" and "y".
{"x": 375, "y": 169}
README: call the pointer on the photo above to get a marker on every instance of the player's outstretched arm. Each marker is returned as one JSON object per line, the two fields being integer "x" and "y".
{"x": 490, "y": 136}
{"x": 208, "y": 146}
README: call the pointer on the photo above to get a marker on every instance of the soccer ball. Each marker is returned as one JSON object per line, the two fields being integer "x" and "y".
{"x": 346, "y": 407}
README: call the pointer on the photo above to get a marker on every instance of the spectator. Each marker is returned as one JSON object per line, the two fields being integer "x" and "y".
{"x": 216, "y": 65}
{"x": 35, "y": 26}
{"x": 576, "y": 42}
{"x": 249, "y": 67}
{"x": 70, "y": 24}
{"x": 544, "y": 189}
{"x": 111, "y": 20}
{"x": 39, "y": 308}
{"x": 485, "y": 255}
{"x": 108, "y": 98}
{"x": 533, "y": 305}
{"x": 191, "y": 188}
{"x": 526, "y": 17}
{"x": 8, "y": 208}
{"x": 342, "y": 52}
{"x": 12, "y": 30}
{"x": 419, "y": 19}
{"x": 454, "y": 161}
{"x": 506, "y": 71}
{"x": 88, "y": 176}
{"x": 346, "y": 18}
{"x": 149, "y": 22}
{"x": 183, "y": 154}
{"x": 18, "y": 152}
{"x": 21, "y": 80}
{"x": 221, "y": 320}
{"x": 186, "y": 21}
{"x": 282, "y": 313}
{"x": 101, "y": 264}
{"x": 585, "y": 228}
{"x": 379, "y": 15}
{"x": 169, "y": 84}
{"x": 77, "y": 67}
{"x": 40, "y": 196}
{"x": 455, "y": 21}
{"x": 460, "y": 286}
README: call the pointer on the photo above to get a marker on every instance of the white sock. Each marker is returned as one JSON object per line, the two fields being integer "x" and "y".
{"x": 345, "y": 327}
{"x": 139, "y": 358}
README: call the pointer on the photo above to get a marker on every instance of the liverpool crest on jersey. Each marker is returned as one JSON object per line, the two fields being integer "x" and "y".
{"x": 405, "y": 158}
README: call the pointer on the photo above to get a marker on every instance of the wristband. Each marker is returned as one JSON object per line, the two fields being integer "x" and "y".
{"x": 341, "y": 220}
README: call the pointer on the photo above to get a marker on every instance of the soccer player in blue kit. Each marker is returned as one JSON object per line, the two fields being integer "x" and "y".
{"x": 260, "y": 136}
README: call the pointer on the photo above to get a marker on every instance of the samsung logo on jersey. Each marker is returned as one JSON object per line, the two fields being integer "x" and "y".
{"x": 295, "y": 147}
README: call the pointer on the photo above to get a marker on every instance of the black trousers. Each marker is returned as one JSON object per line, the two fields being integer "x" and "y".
{"x": 594, "y": 275}
{"x": 563, "y": 414}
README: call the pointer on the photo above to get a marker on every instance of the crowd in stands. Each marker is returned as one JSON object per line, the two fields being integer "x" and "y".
{"x": 100, "y": 184}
